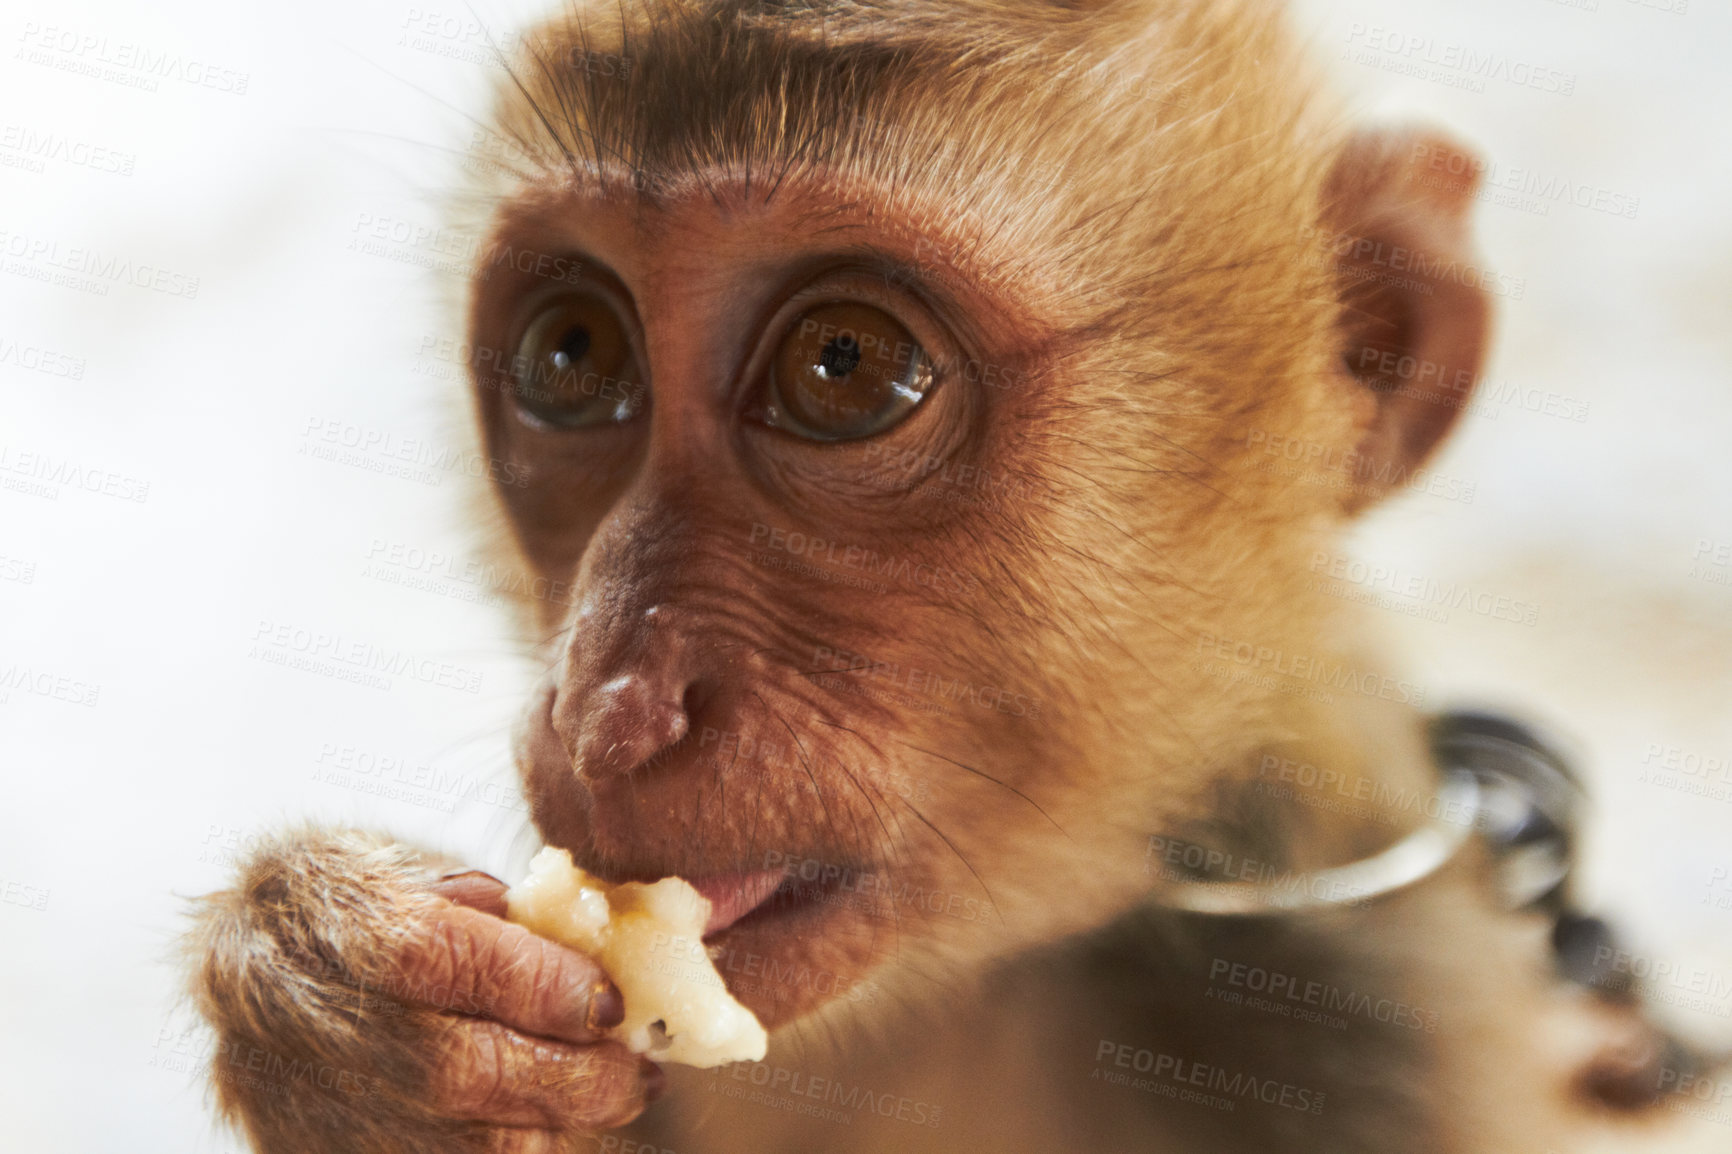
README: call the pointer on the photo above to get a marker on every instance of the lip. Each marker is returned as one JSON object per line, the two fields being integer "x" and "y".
{"x": 750, "y": 900}
{"x": 733, "y": 896}
{"x": 784, "y": 945}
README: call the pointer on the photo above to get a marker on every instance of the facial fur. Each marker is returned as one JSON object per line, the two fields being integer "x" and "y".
{"x": 950, "y": 668}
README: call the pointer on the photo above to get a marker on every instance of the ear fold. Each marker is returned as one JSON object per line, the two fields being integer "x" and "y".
{"x": 1415, "y": 319}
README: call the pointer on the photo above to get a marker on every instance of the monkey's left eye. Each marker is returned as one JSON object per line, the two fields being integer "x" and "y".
{"x": 845, "y": 370}
{"x": 575, "y": 366}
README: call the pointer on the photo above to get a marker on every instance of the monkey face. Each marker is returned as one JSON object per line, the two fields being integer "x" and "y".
{"x": 760, "y": 456}
{"x": 908, "y": 469}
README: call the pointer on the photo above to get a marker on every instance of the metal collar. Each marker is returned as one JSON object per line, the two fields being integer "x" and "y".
{"x": 1498, "y": 780}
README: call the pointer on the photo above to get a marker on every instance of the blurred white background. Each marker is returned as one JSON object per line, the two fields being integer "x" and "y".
{"x": 175, "y": 499}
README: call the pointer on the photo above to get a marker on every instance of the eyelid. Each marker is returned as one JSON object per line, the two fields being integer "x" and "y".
{"x": 850, "y": 284}
{"x": 530, "y": 308}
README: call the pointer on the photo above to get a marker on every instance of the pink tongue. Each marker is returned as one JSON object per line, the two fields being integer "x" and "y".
{"x": 733, "y": 896}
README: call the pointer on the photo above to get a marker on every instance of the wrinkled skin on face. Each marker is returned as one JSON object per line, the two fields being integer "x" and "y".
{"x": 725, "y": 696}
{"x": 944, "y": 675}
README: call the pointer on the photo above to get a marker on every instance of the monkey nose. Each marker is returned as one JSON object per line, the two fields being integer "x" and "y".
{"x": 626, "y": 723}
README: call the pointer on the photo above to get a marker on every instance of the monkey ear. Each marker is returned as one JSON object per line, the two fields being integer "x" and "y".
{"x": 1415, "y": 315}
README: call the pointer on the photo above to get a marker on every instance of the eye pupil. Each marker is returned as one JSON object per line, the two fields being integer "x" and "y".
{"x": 840, "y": 357}
{"x": 573, "y": 345}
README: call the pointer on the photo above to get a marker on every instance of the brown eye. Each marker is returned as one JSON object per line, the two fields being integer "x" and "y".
{"x": 845, "y": 370}
{"x": 575, "y": 367}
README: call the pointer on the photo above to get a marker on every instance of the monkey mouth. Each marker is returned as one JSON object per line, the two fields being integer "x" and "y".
{"x": 788, "y": 948}
{"x": 750, "y": 900}
{"x": 736, "y": 896}
{"x": 786, "y": 944}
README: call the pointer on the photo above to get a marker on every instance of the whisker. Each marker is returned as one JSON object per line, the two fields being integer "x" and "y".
{"x": 988, "y": 777}
{"x": 960, "y": 856}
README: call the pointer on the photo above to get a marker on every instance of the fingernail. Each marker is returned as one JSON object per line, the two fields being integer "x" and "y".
{"x": 453, "y": 875}
{"x": 655, "y": 1081}
{"x": 606, "y": 1006}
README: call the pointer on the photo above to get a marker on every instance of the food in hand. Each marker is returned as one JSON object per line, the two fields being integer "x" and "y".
{"x": 649, "y": 939}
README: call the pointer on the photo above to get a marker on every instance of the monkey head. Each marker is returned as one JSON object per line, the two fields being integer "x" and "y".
{"x": 910, "y": 415}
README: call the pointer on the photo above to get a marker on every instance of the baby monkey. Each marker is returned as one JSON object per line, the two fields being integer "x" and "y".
{"x": 935, "y": 408}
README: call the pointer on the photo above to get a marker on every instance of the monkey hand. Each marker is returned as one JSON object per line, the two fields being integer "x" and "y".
{"x": 365, "y": 1003}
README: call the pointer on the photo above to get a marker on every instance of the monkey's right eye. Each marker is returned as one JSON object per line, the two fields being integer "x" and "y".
{"x": 575, "y": 366}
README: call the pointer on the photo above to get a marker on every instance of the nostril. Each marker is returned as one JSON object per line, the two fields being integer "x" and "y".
{"x": 695, "y": 698}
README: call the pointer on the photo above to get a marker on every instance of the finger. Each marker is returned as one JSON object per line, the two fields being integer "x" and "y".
{"x": 468, "y": 962}
{"x": 475, "y": 889}
{"x": 490, "y": 1073}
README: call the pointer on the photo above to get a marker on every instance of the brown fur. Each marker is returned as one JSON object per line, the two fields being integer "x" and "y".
{"x": 1169, "y": 231}
{"x": 312, "y": 1054}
